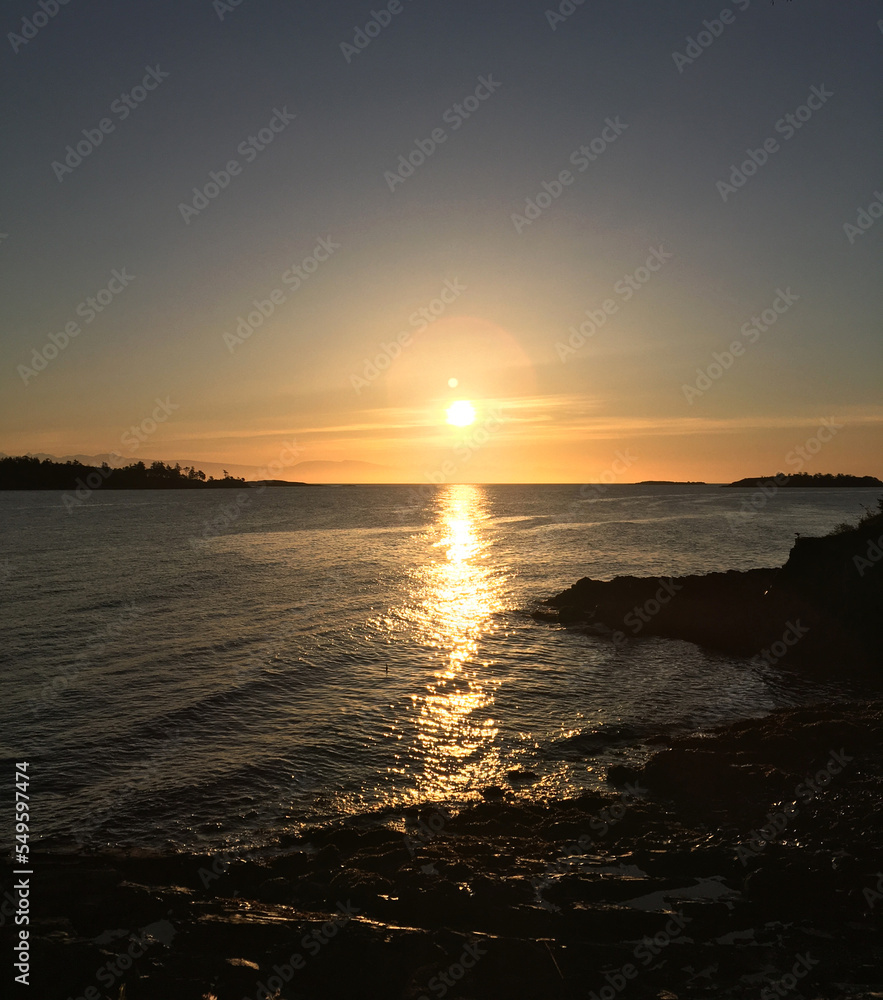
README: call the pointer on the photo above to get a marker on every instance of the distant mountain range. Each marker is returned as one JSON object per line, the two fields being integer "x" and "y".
{"x": 349, "y": 471}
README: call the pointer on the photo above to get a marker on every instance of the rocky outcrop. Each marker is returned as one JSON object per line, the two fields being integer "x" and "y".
{"x": 822, "y": 610}
{"x": 717, "y": 609}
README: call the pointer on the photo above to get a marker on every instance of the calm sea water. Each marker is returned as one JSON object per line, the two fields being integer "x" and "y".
{"x": 183, "y": 670}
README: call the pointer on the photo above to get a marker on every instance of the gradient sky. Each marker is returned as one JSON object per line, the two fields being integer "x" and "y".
{"x": 615, "y": 406}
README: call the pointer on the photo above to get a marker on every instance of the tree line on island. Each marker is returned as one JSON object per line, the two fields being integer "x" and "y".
{"x": 805, "y": 479}
{"x": 28, "y": 473}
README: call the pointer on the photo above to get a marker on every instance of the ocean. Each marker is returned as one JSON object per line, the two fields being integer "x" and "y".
{"x": 203, "y": 671}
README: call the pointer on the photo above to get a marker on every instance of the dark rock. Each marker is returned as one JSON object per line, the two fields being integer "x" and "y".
{"x": 622, "y": 774}
{"x": 237, "y": 977}
{"x": 592, "y": 741}
{"x": 518, "y": 776}
{"x": 275, "y": 890}
{"x": 330, "y": 857}
{"x": 550, "y": 920}
{"x": 820, "y": 611}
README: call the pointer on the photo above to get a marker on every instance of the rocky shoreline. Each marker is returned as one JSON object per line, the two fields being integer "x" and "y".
{"x": 743, "y": 861}
{"x": 821, "y": 611}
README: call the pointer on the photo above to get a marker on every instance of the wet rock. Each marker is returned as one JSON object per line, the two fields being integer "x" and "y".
{"x": 363, "y": 887}
{"x": 593, "y": 741}
{"x": 819, "y": 612}
{"x": 330, "y": 856}
{"x": 701, "y": 778}
{"x": 622, "y": 774}
{"x": 384, "y": 863}
{"x": 550, "y": 922}
{"x": 275, "y": 890}
{"x": 518, "y": 776}
{"x": 717, "y": 609}
{"x": 237, "y": 978}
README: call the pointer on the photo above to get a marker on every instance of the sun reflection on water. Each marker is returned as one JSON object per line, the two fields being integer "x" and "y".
{"x": 456, "y": 596}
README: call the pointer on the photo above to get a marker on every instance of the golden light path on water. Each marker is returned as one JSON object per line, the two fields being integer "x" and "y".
{"x": 455, "y": 598}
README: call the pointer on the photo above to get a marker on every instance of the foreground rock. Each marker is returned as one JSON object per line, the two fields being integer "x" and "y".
{"x": 823, "y": 610}
{"x": 730, "y": 864}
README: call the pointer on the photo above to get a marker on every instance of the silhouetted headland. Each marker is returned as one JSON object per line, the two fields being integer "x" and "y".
{"x": 27, "y": 473}
{"x": 804, "y": 479}
{"x": 820, "y": 611}
{"x": 280, "y": 482}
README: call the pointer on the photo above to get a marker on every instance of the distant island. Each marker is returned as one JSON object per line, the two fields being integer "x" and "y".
{"x": 804, "y": 479}
{"x": 27, "y": 473}
{"x": 278, "y": 482}
{"x": 669, "y": 482}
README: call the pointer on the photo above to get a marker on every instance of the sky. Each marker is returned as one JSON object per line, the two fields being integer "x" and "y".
{"x": 307, "y": 230}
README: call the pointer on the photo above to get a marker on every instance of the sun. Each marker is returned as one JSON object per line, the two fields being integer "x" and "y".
{"x": 461, "y": 413}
